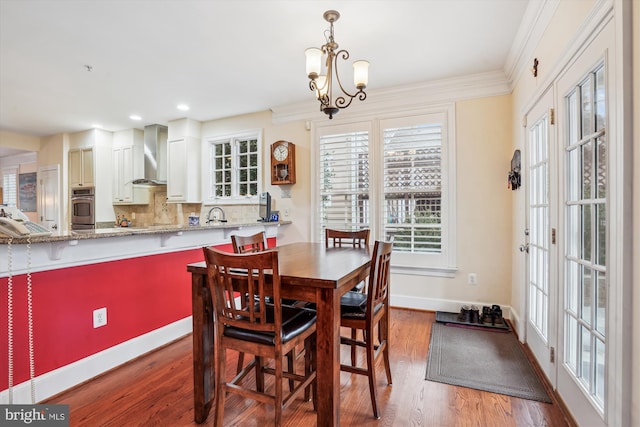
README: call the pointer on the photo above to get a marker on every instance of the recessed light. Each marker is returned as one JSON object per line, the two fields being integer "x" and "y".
{"x": 183, "y": 107}
{"x": 134, "y": 117}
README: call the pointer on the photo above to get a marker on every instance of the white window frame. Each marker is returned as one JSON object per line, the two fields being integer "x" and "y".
{"x": 424, "y": 264}
{"x": 233, "y": 139}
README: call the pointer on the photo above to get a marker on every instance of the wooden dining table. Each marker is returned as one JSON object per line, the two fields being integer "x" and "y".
{"x": 308, "y": 272}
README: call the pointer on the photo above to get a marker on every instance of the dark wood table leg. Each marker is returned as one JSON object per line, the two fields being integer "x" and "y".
{"x": 202, "y": 315}
{"x": 328, "y": 357}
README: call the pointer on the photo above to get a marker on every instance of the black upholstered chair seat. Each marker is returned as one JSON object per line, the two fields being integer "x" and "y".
{"x": 354, "y": 304}
{"x": 294, "y": 321}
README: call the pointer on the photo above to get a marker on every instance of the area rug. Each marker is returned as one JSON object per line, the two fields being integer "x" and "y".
{"x": 483, "y": 360}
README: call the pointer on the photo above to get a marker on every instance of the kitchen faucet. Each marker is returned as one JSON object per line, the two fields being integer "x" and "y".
{"x": 219, "y": 209}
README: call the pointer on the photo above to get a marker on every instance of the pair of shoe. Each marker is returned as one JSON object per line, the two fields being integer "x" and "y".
{"x": 492, "y": 315}
{"x": 469, "y": 314}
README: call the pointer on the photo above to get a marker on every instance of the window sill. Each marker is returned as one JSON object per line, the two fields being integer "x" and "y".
{"x": 251, "y": 200}
{"x": 448, "y": 272}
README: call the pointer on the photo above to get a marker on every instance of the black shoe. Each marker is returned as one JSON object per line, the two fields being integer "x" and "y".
{"x": 475, "y": 314}
{"x": 496, "y": 313}
{"x": 465, "y": 314}
{"x": 487, "y": 317}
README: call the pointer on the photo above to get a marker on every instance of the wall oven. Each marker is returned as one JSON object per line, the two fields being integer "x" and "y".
{"x": 83, "y": 208}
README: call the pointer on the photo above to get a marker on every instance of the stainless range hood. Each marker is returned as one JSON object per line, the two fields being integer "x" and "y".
{"x": 155, "y": 156}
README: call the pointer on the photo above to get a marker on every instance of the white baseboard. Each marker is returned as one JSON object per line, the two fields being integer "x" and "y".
{"x": 63, "y": 378}
{"x": 432, "y": 304}
{"x": 518, "y": 325}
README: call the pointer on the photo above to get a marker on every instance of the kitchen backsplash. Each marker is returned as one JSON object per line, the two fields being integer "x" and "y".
{"x": 159, "y": 212}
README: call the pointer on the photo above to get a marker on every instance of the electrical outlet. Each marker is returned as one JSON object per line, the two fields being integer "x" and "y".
{"x": 99, "y": 317}
{"x": 286, "y": 213}
{"x": 473, "y": 279}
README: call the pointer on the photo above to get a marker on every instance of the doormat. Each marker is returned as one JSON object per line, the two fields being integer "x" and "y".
{"x": 482, "y": 360}
{"x": 446, "y": 317}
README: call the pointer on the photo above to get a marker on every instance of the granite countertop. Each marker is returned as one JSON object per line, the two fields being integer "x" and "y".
{"x": 98, "y": 233}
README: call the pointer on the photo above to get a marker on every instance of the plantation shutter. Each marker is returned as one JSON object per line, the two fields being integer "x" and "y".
{"x": 413, "y": 187}
{"x": 10, "y": 187}
{"x": 344, "y": 181}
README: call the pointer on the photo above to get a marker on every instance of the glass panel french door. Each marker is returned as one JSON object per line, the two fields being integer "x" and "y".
{"x": 541, "y": 320}
{"x": 585, "y": 308}
{"x": 586, "y": 378}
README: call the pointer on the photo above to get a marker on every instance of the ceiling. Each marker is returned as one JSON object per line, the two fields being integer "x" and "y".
{"x": 67, "y": 65}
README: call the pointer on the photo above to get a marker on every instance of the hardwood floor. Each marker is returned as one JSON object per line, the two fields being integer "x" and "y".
{"x": 157, "y": 390}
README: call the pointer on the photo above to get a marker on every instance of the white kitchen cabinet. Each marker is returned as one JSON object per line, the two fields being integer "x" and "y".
{"x": 122, "y": 175}
{"x": 128, "y": 164}
{"x": 183, "y": 170}
{"x": 81, "y": 168}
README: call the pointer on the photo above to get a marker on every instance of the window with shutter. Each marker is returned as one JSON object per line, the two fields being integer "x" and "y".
{"x": 344, "y": 181}
{"x": 395, "y": 176}
{"x": 10, "y": 186}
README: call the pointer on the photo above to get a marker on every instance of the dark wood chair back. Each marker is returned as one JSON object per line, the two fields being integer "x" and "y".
{"x": 339, "y": 238}
{"x": 348, "y": 238}
{"x": 379, "y": 275}
{"x": 231, "y": 275}
{"x": 249, "y": 244}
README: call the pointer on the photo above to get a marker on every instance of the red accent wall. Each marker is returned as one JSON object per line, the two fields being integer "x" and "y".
{"x": 140, "y": 294}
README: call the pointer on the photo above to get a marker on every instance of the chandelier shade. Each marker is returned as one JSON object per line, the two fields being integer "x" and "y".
{"x": 361, "y": 73}
{"x": 323, "y": 80}
{"x": 314, "y": 62}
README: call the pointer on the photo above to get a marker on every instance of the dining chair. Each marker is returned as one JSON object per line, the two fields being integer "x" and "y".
{"x": 353, "y": 238}
{"x": 249, "y": 244}
{"x": 347, "y": 238}
{"x": 366, "y": 311}
{"x": 264, "y": 328}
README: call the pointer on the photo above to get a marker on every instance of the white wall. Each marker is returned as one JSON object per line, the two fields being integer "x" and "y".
{"x": 19, "y": 141}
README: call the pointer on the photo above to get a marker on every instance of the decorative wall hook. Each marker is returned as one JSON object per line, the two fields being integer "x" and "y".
{"x": 534, "y": 70}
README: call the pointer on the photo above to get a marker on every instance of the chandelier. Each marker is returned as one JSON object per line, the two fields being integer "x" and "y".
{"x": 323, "y": 84}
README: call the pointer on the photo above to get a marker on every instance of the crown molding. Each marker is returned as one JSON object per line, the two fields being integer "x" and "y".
{"x": 492, "y": 83}
{"x": 534, "y": 23}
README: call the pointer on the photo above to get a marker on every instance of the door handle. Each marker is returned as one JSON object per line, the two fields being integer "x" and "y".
{"x": 524, "y": 248}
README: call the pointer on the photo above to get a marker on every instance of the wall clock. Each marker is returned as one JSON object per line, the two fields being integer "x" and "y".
{"x": 283, "y": 163}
